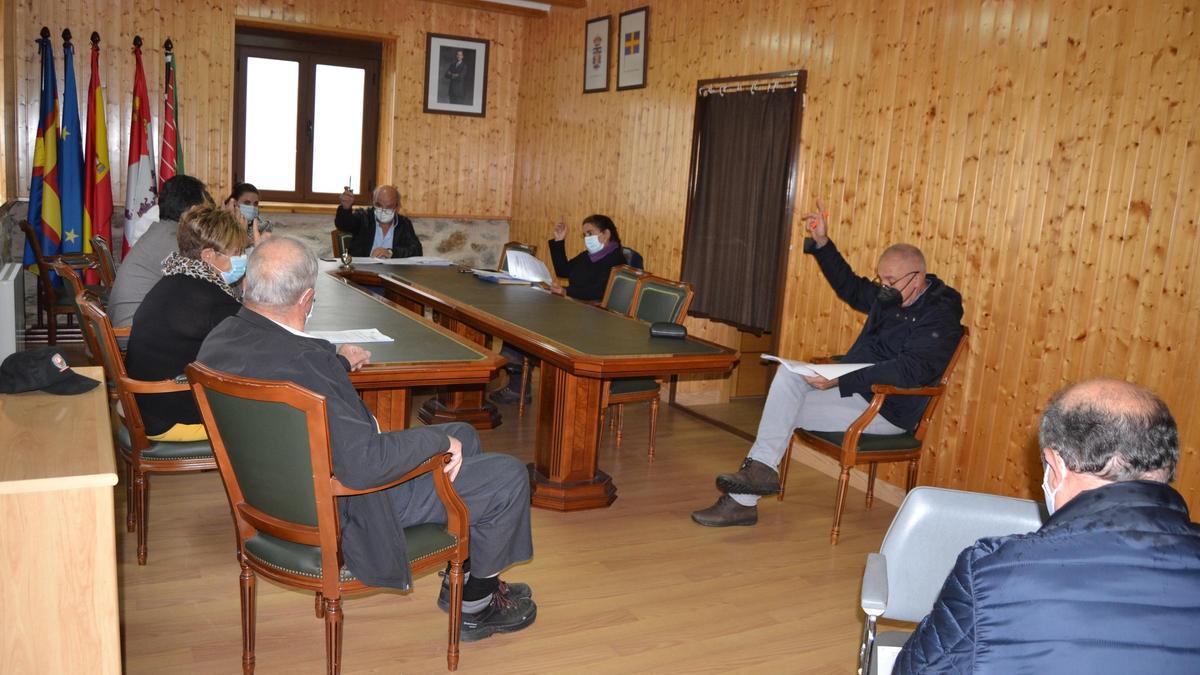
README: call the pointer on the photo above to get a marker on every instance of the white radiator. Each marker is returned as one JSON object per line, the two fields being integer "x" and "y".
{"x": 12, "y": 307}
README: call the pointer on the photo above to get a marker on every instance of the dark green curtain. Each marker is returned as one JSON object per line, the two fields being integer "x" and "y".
{"x": 737, "y": 229}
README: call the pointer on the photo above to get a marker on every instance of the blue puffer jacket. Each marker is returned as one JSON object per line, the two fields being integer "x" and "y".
{"x": 1110, "y": 584}
{"x": 910, "y": 346}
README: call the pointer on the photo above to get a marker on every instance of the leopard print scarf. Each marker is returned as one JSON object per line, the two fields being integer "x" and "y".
{"x": 197, "y": 269}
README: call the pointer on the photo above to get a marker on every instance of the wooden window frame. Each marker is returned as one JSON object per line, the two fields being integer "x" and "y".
{"x": 309, "y": 51}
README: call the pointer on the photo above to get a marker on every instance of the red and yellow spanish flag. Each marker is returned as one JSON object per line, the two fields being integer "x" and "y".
{"x": 45, "y": 211}
{"x": 97, "y": 184}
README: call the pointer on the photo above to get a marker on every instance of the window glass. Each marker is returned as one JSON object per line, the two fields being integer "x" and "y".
{"x": 272, "y": 87}
{"x": 337, "y": 128}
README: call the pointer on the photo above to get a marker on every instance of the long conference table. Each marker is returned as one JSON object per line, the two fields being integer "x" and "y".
{"x": 579, "y": 346}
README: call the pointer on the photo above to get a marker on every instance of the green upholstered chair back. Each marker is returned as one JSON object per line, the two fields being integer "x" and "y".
{"x": 514, "y": 246}
{"x": 340, "y": 241}
{"x": 269, "y": 454}
{"x": 621, "y": 289}
{"x": 108, "y": 264}
{"x": 661, "y": 299}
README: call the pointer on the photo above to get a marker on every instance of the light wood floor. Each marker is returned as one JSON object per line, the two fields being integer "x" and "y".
{"x": 635, "y": 588}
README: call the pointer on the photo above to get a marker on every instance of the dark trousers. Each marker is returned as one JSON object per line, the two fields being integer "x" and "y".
{"x": 495, "y": 488}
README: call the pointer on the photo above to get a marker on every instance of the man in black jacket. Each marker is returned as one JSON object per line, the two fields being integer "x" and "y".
{"x": 265, "y": 340}
{"x": 911, "y": 332}
{"x": 379, "y": 231}
{"x": 1110, "y": 584}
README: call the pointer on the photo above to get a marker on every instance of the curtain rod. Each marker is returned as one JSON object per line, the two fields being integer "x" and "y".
{"x": 752, "y": 87}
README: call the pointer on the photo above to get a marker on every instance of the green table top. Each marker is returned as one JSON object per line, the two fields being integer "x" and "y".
{"x": 580, "y": 327}
{"x": 342, "y": 307}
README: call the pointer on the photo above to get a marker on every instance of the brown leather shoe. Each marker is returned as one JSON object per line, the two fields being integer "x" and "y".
{"x": 726, "y": 512}
{"x": 754, "y": 478}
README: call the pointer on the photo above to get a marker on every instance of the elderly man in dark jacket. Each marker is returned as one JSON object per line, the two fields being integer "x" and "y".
{"x": 1110, "y": 584}
{"x": 911, "y": 332}
{"x": 265, "y": 340}
{"x": 380, "y": 231}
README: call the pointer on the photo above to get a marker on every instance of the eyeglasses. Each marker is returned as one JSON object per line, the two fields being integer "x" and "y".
{"x": 896, "y": 283}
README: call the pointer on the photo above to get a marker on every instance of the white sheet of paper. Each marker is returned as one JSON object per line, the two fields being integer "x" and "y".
{"x": 524, "y": 266}
{"x": 353, "y": 336}
{"x": 427, "y": 261}
{"x": 829, "y": 371}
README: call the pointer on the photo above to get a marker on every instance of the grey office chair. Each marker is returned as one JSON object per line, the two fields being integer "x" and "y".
{"x": 932, "y": 527}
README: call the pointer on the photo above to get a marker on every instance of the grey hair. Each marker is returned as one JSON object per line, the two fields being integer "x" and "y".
{"x": 906, "y": 252}
{"x": 380, "y": 189}
{"x": 1112, "y": 429}
{"x": 278, "y": 272}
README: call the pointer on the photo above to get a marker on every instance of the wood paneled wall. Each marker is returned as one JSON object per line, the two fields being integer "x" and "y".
{"x": 443, "y": 164}
{"x": 1045, "y": 154}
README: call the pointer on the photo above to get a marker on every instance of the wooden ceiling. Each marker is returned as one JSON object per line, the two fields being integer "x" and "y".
{"x": 534, "y": 8}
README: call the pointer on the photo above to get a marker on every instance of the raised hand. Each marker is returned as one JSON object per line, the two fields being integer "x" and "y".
{"x": 560, "y": 229}
{"x": 817, "y": 224}
{"x": 346, "y": 199}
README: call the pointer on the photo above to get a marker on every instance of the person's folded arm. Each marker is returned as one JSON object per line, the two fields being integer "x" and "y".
{"x": 405, "y": 243}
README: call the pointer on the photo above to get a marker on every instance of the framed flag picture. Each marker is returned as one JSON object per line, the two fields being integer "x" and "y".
{"x": 456, "y": 75}
{"x": 596, "y": 54}
{"x": 632, "y": 41}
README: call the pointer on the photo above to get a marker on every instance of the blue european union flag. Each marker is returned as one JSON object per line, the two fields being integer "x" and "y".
{"x": 70, "y": 166}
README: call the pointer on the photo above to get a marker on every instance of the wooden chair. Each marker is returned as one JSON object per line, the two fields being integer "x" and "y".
{"x": 105, "y": 261}
{"x": 271, "y": 441}
{"x": 656, "y": 299}
{"x": 340, "y": 241}
{"x": 531, "y": 249}
{"x": 623, "y": 284}
{"x": 853, "y": 447}
{"x": 141, "y": 456}
{"x": 53, "y": 301}
{"x": 75, "y": 287}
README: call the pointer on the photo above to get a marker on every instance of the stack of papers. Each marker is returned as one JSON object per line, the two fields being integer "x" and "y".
{"x": 353, "y": 336}
{"x": 521, "y": 265}
{"x": 495, "y": 277}
{"x": 829, "y": 371}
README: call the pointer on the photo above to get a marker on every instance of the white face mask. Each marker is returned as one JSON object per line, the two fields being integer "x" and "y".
{"x": 1051, "y": 494}
{"x": 385, "y": 215}
{"x": 592, "y": 243}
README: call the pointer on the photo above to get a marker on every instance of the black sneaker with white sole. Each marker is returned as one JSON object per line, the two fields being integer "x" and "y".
{"x": 513, "y": 590}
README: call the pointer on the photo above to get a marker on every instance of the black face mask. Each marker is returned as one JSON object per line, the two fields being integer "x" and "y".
{"x": 890, "y": 297}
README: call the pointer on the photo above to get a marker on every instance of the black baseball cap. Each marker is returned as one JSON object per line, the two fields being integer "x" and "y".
{"x": 41, "y": 370}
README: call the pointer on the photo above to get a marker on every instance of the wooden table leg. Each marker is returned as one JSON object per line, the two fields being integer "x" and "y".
{"x": 464, "y": 403}
{"x": 564, "y": 474}
{"x": 390, "y": 407}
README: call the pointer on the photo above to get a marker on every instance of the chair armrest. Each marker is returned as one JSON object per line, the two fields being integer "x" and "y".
{"x": 122, "y": 331}
{"x": 457, "y": 516}
{"x": 145, "y": 387}
{"x": 897, "y": 391}
{"x": 436, "y": 462}
{"x": 874, "y": 596}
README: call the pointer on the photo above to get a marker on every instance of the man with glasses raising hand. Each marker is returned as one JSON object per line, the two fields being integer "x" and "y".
{"x": 911, "y": 331}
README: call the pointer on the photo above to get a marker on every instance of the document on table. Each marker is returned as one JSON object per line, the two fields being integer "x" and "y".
{"x": 494, "y": 277}
{"x": 425, "y": 261}
{"x": 524, "y": 266}
{"x": 829, "y": 371}
{"x": 353, "y": 336}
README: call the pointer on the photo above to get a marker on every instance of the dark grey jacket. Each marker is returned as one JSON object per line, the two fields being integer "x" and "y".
{"x": 250, "y": 345}
{"x": 360, "y": 224}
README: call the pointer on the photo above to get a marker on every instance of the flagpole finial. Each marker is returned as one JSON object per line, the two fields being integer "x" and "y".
{"x": 137, "y": 41}
{"x": 167, "y": 45}
{"x": 45, "y": 33}
{"x": 95, "y": 39}
{"x": 66, "y": 36}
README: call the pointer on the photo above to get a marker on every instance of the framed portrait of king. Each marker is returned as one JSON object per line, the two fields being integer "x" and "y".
{"x": 456, "y": 75}
{"x": 596, "y": 54}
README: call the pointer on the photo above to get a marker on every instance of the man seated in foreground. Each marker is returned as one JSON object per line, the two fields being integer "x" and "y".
{"x": 911, "y": 332}
{"x": 266, "y": 340}
{"x": 1110, "y": 584}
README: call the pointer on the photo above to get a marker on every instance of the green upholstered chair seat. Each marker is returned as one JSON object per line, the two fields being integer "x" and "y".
{"x": 871, "y": 442}
{"x": 166, "y": 450}
{"x": 633, "y": 385}
{"x": 422, "y": 541}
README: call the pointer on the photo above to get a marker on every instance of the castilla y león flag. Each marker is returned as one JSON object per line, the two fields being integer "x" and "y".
{"x": 141, "y": 189}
